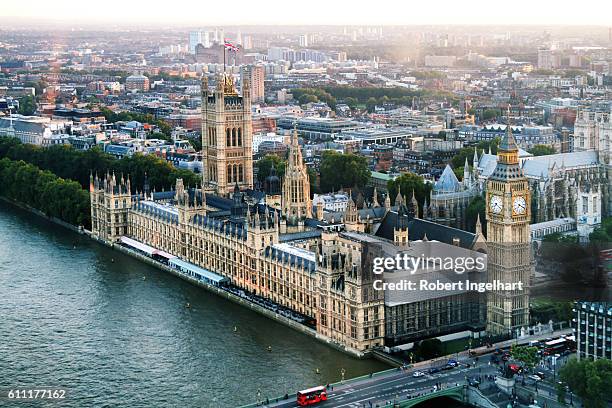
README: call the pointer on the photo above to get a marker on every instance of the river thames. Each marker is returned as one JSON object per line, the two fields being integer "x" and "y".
{"x": 113, "y": 331}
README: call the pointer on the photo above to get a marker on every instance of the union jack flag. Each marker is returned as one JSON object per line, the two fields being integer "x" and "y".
{"x": 228, "y": 45}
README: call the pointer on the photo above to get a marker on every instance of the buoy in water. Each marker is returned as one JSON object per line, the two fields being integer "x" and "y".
{"x": 270, "y": 349}
{"x": 235, "y": 329}
{"x": 144, "y": 278}
{"x": 318, "y": 372}
{"x": 188, "y": 305}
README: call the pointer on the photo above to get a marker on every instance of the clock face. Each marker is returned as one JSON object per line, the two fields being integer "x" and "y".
{"x": 496, "y": 204}
{"x": 519, "y": 205}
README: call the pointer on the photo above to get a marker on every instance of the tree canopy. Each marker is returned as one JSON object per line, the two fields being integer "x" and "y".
{"x": 428, "y": 349}
{"x": 458, "y": 159}
{"x": 343, "y": 171}
{"x": 477, "y": 206}
{"x": 264, "y": 166}
{"x": 27, "y": 105}
{"x": 525, "y": 354}
{"x": 542, "y": 150}
{"x": 602, "y": 235}
{"x": 125, "y": 116}
{"x": 68, "y": 163}
{"x": 590, "y": 380}
{"x": 44, "y": 191}
{"x": 407, "y": 183}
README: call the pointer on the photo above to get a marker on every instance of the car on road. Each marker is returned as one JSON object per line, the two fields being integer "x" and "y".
{"x": 452, "y": 363}
{"x": 434, "y": 370}
{"x": 418, "y": 374}
{"x": 535, "y": 377}
{"x": 473, "y": 381}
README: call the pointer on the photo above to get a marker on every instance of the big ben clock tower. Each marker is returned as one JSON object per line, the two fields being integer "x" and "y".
{"x": 508, "y": 238}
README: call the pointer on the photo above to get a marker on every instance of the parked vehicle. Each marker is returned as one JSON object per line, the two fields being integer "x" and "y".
{"x": 418, "y": 374}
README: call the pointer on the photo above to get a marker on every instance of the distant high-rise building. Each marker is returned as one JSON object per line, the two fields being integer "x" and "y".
{"x": 195, "y": 38}
{"x": 303, "y": 41}
{"x": 239, "y": 38}
{"x": 247, "y": 42}
{"x": 255, "y": 75}
{"x": 545, "y": 59}
{"x": 575, "y": 61}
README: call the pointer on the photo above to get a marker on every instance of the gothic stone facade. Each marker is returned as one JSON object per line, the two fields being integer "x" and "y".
{"x": 227, "y": 139}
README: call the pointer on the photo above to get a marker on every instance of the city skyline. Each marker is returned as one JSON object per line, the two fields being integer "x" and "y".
{"x": 388, "y": 13}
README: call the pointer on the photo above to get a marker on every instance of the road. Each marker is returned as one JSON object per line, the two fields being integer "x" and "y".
{"x": 399, "y": 384}
{"x": 393, "y": 385}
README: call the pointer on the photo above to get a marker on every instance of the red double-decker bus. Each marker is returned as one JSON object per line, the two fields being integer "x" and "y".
{"x": 311, "y": 396}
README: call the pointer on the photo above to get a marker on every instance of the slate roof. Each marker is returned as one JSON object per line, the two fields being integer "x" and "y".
{"x": 374, "y": 213}
{"x": 295, "y": 236}
{"x": 293, "y": 256}
{"x": 539, "y": 166}
{"x": 418, "y": 228}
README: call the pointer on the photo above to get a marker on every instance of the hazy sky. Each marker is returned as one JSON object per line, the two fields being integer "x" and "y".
{"x": 316, "y": 12}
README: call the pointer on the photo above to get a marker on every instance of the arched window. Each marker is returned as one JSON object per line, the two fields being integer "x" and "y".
{"x": 233, "y": 136}
{"x": 239, "y": 137}
{"x": 227, "y": 137}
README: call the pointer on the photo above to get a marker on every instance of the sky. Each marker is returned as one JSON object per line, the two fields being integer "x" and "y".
{"x": 316, "y": 12}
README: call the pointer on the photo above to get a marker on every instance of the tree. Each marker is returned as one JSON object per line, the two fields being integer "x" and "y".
{"x": 525, "y": 354}
{"x": 476, "y": 207}
{"x": 264, "y": 166}
{"x": 407, "y": 183}
{"x": 590, "y": 380}
{"x": 307, "y": 98}
{"x": 458, "y": 159}
{"x": 351, "y": 102}
{"x": 489, "y": 114}
{"x": 602, "y": 235}
{"x": 27, "y": 105}
{"x": 542, "y": 150}
{"x": 459, "y": 172}
{"x": 371, "y": 104}
{"x": 68, "y": 163}
{"x": 56, "y": 197}
{"x": 428, "y": 349}
{"x": 339, "y": 170}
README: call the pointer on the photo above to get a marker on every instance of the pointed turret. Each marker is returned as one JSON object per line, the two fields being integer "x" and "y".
{"x": 466, "y": 174}
{"x": 398, "y": 197}
{"x": 478, "y": 228}
{"x": 375, "y": 203}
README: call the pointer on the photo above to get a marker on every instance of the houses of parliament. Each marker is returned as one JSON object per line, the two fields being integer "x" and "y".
{"x": 275, "y": 245}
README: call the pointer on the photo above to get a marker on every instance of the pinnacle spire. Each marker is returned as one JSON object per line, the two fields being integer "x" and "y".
{"x": 508, "y": 143}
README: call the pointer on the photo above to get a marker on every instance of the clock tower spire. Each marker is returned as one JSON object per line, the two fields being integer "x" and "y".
{"x": 508, "y": 240}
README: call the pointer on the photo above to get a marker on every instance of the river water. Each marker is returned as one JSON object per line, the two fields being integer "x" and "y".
{"x": 115, "y": 332}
